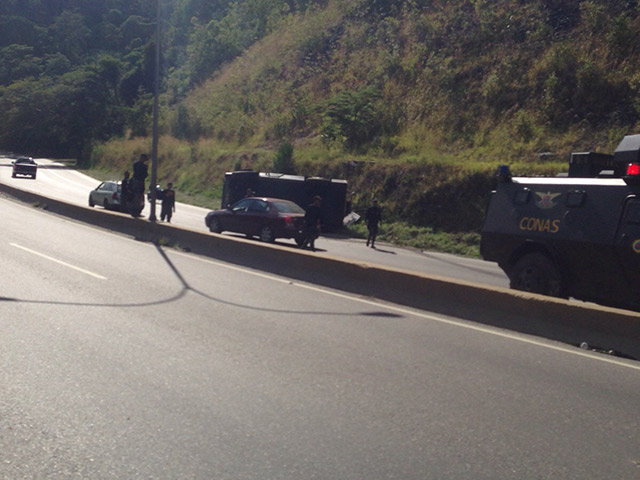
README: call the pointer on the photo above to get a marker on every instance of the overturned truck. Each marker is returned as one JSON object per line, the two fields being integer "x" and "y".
{"x": 298, "y": 189}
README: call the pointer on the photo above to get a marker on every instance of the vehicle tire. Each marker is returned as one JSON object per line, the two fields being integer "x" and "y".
{"x": 299, "y": 240}
{"x": 91, "y": 204}
{"x": 13, "y": 175}
{"x": 106, "y": 204}
{"x": 214, "y": 226}
{"x": 267, "y": 234}
{"x": 537, "y": 273}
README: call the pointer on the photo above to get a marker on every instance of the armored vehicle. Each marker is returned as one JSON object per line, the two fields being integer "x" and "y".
{"x": 576, "y": 235}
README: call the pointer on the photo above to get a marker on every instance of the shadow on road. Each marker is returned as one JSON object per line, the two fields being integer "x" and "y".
{"x": 186, "y": 287}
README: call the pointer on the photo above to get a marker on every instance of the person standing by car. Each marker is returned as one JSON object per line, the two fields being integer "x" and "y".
{"x": 125, "y": 192}
{"x": 312, "y": 223}
{"x": 168, "y": 203}
{"x": 140, "y": 169}
{"x": 140, "y": 172}
{"x": 372, "y": 219}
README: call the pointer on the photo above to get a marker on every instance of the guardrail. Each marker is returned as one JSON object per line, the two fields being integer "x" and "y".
{"x": 569, "y": 322}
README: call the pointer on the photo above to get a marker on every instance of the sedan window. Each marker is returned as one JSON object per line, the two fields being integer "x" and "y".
{"x": 287, "y": 207}
{"x": 241, "y": 206}
{"x": 258, "y": 206}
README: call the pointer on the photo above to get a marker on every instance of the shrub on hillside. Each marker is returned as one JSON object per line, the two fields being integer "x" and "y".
{"x": 283, "y": 161}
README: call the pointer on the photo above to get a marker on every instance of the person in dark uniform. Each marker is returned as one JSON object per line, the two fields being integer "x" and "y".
{"x": 140, "y": 169}
{"x": 372, "y": 219}
{"x": 140, "y": 172}
{"x": 125, "y": 192}
{"x": 312, "y": 223}
{"x": 168, "y": 202}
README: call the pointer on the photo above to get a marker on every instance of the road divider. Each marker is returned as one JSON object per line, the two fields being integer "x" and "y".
{"x": 609, "y": 330}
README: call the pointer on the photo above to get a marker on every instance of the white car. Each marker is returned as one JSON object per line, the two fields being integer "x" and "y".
{"x": 106, "y": 194}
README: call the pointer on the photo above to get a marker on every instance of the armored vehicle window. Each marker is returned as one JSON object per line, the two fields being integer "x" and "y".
{"x": 522, "y": 196}
{"x": 575, "y": 198}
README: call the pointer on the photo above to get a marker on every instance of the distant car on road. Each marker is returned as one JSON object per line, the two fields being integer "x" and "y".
{"x": 106, "y": 194}
{"x": 24, "y": 166}
{"x": 266, "y": 218}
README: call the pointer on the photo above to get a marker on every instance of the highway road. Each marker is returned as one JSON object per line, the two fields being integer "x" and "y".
{"x": 57, "y": 181}
{"x": 125, "y": 360}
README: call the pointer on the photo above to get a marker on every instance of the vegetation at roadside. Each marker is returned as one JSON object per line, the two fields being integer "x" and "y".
{"x": 422, "y": 238}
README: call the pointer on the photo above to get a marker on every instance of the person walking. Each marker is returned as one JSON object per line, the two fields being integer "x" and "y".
{"x": 312, "y": 219}
{"x": 168, "y": 203}
{"x": 372, "y": 219}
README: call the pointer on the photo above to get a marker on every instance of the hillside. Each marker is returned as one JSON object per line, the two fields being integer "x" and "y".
{"x": 446, "y": 77}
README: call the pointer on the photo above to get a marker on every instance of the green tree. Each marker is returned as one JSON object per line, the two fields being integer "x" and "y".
{"x": 353, "y": 117}
{"x": 283, "y": 161}
{"x": 70, "y": 35}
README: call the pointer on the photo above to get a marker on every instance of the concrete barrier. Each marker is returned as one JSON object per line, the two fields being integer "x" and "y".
{"x": 565, "y": 321}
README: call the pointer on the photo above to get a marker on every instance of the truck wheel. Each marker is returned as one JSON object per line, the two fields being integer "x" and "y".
{"x": 536, "y": 273}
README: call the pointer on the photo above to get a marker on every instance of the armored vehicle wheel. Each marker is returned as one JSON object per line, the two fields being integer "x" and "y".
{"x": 537, "y": 273}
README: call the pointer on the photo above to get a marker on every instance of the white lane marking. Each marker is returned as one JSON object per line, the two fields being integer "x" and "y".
{"x": 428, "y": 316}
{"x": 60, "y": 262}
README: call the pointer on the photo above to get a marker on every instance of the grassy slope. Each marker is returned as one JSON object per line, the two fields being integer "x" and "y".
{"x": 464, "y": 87}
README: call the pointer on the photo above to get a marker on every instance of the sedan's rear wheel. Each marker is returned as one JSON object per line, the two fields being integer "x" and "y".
{"x": 267, "y": 234}
{"x": 106, "y": 203}
{"x": 91, "y": 204}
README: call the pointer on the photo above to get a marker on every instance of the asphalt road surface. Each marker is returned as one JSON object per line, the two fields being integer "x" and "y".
{"x": 57, "y": 181}
{"x": 124, "y": 360}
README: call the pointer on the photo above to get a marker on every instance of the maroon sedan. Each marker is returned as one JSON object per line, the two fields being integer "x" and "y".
{"x": 266, "y": 218}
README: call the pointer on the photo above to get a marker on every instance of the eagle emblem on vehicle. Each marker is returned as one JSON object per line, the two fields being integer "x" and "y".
{"x": 546, "y": 200}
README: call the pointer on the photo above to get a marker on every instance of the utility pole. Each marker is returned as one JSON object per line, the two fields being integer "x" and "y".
{"x": 154, "y": 141}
